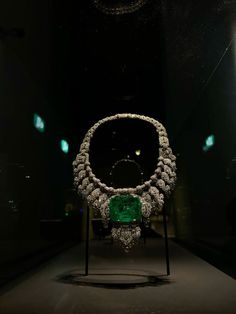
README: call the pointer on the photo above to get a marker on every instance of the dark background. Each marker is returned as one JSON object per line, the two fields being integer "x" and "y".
{"x": 73, "y": 65}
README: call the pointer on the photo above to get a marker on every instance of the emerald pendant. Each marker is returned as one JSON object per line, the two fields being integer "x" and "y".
{"x": 125, "y": 208}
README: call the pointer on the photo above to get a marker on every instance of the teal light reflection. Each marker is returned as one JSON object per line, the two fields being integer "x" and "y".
{"x": 39, "y": 123}
{"x": 209, "y": 142}
{"x": 64, "y": 146}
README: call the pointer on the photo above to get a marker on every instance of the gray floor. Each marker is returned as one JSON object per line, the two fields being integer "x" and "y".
{"x": 194, "y": 286}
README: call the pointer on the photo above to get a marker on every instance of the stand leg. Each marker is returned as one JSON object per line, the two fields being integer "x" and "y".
{"x": 87, "y": 242}
{"x": 166, "y": 242}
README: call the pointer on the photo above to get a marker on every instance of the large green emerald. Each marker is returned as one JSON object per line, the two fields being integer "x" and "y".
{"x": 125, "y": 208}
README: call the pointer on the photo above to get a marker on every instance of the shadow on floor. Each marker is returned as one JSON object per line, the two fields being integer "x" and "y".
{"x": 123, "y": 279}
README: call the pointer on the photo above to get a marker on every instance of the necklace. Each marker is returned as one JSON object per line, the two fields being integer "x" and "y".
{"x": 126, "y": 208}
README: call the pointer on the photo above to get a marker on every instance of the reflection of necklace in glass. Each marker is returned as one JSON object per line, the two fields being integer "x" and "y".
{"x": 139, "y": 202}
{"x": 130, "y": 161}
{"x": 119, "y": 7}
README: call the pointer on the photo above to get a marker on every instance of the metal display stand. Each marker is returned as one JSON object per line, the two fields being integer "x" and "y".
{"x": 166, "y": 241}
{"x": 87, "y": 241}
